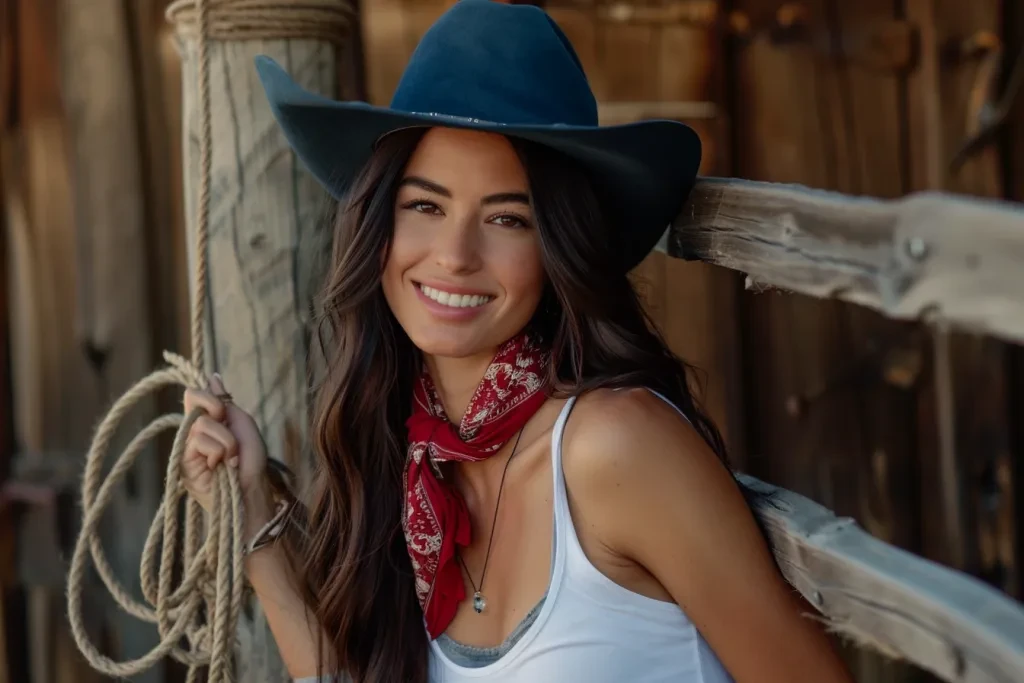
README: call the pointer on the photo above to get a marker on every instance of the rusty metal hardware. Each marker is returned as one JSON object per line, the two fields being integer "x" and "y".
{"x": 889, "y": 45}
{"x": 989, "y": 103}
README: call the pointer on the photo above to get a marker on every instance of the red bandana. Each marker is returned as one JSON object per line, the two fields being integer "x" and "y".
{"x": 435, "y": 517}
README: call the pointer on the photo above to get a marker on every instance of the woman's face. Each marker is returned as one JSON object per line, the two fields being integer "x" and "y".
{"x": 465, "y": 272}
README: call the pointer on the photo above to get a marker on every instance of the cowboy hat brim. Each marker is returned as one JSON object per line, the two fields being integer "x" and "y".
{"x": 643, "y": 170}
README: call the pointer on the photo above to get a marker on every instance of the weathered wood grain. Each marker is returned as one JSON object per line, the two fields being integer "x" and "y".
{"x": 1014, "y": 24}
{"x": 821, "y": 118}
{"x": 55, "y": 395}
{"x": 114, "y": 322}
{"x": 930, "y": 256}
{"x": 972, "y": 525}
{"x": 902, "y": 605}
{"x": 266, "y": 237}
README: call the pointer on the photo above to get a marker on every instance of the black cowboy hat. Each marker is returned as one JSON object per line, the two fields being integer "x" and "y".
{"x": 506, "y": 69}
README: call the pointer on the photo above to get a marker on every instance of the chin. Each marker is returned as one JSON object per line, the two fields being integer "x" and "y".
{"x": 447, "y": 345}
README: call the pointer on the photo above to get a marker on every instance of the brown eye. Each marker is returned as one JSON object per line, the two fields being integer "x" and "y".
{"x": 423, "y": 206}
{"x": 510, "y": 220}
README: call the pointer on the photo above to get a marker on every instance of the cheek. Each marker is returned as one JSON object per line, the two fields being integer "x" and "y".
{"x": 521, "y": 273}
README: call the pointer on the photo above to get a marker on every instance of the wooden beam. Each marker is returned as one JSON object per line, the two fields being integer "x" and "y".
{"x": 267, "y": 237}
{"x": 928, "y": 256}
{"x": 893, "y": 601}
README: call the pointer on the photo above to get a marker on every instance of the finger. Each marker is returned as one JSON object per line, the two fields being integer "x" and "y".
{"x": 193, "y": 467}
{"x": 207, "y": 425}
{"x": 209, "y": 447}
{"x": 193, "y": 461}
{"x": 197, "y": 398}
{"x": 217, "y": 386}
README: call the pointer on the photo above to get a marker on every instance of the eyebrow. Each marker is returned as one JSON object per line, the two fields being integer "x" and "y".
{"x": 430, "y": 186}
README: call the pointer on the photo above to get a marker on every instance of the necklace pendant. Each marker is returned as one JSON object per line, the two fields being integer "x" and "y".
{"x": 479, "y": 602}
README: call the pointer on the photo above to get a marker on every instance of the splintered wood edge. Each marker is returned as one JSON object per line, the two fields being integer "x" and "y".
{"x": 890, "y": 600}
{"x": 933, "y": 257}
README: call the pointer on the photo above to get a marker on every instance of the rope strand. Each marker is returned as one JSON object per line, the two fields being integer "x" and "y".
{"x": 212, "y": 580}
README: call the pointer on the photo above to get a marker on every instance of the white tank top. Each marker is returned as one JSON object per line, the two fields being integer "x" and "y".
{"x": 590, "y": 629}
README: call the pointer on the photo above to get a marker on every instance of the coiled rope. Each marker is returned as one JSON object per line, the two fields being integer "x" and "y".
{"x": 202, "y": 608}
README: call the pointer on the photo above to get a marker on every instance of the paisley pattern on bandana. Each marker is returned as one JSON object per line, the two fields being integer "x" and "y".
{"x": 435, "y": 520}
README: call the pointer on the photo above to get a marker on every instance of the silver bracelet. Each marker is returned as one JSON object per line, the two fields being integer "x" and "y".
{"x": 270, "y": 531}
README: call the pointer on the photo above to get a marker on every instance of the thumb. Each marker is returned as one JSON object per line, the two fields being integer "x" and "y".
{"x": 231, "y": 411}
{"x": 217, "y": 384}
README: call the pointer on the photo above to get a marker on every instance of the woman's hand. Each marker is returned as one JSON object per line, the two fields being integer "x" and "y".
{"x": 229, "y": 435}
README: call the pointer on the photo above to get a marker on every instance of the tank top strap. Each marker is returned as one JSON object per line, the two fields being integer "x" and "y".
{"x": 565, "y": 544}
{"x": 562, "y": 518}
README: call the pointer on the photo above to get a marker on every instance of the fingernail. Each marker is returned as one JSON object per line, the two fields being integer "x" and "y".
{"x": 233, "y": 462}
{"x": 217, "y": 377}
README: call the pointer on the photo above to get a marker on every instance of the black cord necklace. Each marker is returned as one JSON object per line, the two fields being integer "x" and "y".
{"x": 479, "y": 601}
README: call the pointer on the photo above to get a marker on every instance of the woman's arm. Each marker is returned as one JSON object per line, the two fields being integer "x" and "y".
{"x": 291, "y": 621}
{"x": 227, "y": 435}
{"x": 648, "y": 485}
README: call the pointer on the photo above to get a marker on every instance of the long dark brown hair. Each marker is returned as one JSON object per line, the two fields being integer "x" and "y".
{"x": 357, "y": 574}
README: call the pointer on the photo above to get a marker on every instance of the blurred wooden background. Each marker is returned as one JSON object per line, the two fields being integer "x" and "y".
{"x": 911, "y": 432}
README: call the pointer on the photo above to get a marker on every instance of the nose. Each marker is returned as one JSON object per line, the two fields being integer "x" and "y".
{"x": 456, "y": 244}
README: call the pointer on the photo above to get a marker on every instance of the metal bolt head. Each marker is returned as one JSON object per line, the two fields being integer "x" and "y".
{"x": 917, "y": 248}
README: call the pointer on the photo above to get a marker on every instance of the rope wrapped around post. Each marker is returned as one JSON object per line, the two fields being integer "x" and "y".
{"x": 204, "y": 606}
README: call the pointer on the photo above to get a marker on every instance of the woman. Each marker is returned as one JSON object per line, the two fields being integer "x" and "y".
{"x": 513, "y": 481}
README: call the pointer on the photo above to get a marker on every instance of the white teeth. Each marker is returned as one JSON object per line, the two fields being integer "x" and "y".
{"x": 455, "y": 300}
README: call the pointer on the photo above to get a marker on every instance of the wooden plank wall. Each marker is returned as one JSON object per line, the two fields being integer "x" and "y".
{"x": 52, "y": 391}
{"x": 930, "y": 469}
{"x": 969, "y": 390}
{"x": 9, "y": 668}
{"x": 101, "y": 89}
{"x": 89, "y": 310}
{"x": 1012, "y": 162}
{"x": 823, "y": 420}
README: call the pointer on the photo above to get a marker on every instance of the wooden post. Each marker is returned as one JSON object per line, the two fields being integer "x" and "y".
{"x": 266, "y": 226}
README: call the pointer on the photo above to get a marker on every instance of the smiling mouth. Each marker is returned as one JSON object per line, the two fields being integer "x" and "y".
{"x": 453, "y": 300}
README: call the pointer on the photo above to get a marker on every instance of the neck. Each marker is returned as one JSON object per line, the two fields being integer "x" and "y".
{"x": 457, "y": 379}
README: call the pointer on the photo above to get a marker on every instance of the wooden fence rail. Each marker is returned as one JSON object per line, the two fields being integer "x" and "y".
{"x": 935, "y": 257}
{"x": 890, "y": 600}
{"x": 929, "y": 256}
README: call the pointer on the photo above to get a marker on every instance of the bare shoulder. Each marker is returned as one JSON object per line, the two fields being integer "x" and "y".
{"x": 626, "y": 436}
{"x": 651, "y": 492}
